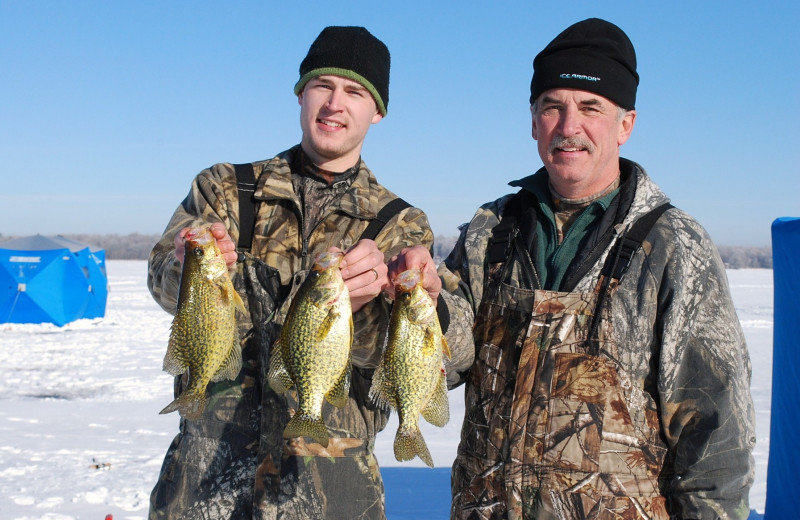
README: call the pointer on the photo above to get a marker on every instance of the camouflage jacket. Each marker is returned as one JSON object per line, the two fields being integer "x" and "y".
{"x": 248, "y": 469}
{"x": 680, "y": 365}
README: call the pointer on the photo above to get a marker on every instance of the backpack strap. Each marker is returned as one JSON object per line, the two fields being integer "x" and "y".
{"x": 385, "y": 214}
{"x": 499, "y": 246}
{"x": 513, "y": 232}
{"x": 246, "y": 184}
{"x": 617, "y": 262}
{"x": 619, "y": 258}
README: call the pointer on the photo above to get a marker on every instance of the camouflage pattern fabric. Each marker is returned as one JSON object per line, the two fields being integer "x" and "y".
{"x": 659, "y": 424}
{"x": 234, "y": 463}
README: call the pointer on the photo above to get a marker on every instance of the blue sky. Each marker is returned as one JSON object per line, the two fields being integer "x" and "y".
{"x": 108, "y": 108}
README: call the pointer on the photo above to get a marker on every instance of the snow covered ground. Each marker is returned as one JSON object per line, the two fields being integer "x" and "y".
{"x": 80, "y": 433}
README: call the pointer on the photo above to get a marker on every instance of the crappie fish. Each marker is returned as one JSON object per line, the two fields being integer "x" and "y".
{"x": 411, "y": 377}
{"x": 313, "y": 351}
{"x": 204, "y": 338}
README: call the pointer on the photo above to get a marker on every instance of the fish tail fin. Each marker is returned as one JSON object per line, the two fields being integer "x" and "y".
{"x": 409, "y": 443}
{"x": 304, "y": 425}
{"x": 190, "y": 405}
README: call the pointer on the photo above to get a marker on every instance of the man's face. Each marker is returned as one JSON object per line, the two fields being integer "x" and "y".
{"x": 335, "y": 114}
{"x": 579, "y": 134}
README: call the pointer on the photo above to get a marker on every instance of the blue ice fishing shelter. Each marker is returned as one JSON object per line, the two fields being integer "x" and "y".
{"x": 784, "y": 457}
{"x": 51, "y": 280}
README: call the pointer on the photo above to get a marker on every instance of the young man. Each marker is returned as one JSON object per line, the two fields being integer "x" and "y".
{"x": 611, "y": 376}
{"x": 234, "y": 462}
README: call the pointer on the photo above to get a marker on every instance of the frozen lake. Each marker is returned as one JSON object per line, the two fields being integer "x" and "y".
{"x": 80, "y": 432}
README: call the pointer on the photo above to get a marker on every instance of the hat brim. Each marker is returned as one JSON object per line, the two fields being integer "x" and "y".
{"x": 345, "y": 73}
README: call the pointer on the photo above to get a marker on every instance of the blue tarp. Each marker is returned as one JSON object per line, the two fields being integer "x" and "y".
{"x": 51, "y": 280}
{"x": 784, "y": 457}
{"x": 417, "y": 493}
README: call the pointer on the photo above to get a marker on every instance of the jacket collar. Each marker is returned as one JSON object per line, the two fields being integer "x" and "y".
{"x": 275, "y": 183}
{"x": 646, "y": 196}
{"x": 638, "y": 190}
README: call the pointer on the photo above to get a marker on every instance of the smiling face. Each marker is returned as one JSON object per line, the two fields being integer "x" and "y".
{"x": 335, "y": 114}
{"x": 579, "y": 134}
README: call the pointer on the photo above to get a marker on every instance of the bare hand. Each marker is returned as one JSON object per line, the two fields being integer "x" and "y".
{"x": 220, "y": 234}
{"x": 416, "y": 257}
{"x": 363, "y": 271}
{"x": 225, "y": 243}
{"x": 180, "y": 244}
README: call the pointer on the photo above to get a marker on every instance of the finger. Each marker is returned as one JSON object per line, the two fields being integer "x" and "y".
{"x": 375, "y": 276}
{"x": 389, "y": 291}
{"x": 362, "y": 267}
{"x": 180, "y": 244}
{"x": 219, "y": 231}
{"x": 416, "y": 257}
{"x": 396, "y": 266}
{"x": 359, "y": 251}
{"x": 225, "y": 243}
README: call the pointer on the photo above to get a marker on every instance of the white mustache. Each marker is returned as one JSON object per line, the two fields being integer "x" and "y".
{"x": 571, "y": 142}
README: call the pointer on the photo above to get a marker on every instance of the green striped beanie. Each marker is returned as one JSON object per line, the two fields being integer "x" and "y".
{"x": 352, "y": 53}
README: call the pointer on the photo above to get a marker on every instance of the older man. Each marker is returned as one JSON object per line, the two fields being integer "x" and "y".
{"x": 611, "y": 377}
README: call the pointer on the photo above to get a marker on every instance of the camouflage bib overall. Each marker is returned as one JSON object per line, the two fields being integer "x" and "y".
{"x": 210, "y": 466}
{"x": 552, "y": 435}
{"x": 234, "y": 463}
{"x": 298, "y": 479}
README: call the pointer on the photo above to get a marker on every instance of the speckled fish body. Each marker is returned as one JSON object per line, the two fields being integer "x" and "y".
{"x": 203, "y": 339}
{"x": 313, "y": 352}
{"x": 411, "y": 377}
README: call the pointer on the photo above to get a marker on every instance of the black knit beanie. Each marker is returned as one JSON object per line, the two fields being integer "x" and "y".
{"x": 353, "y": 53}
{"x": 593, "y": 55}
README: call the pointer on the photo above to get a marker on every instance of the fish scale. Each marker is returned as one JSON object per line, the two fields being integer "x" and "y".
{"x": 411, "y": 377}
{"x": 203, "y": 341}
{"x": 313, "y": 351}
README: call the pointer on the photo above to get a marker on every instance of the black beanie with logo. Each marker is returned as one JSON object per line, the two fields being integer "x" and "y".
{"x": 593, "y": 55}
{"x": 352, "y": 53}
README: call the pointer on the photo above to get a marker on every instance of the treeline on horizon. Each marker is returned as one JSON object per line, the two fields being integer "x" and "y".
{"x": 136, "y": 246}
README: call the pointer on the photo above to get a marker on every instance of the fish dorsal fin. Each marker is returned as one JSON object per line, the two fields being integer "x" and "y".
{"x": 437, "y": 410}
{"x": 379, "y": 391}
{"x": 278, "y": 377}
{"x": 232, "y": 365}
{"x": 174, "y": 363}
{"x": 341, "y": 390}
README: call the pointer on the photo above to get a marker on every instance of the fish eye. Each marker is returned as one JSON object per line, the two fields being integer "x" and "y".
{"x": 406, "y": 296}
{"x": 197, "y": 251}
